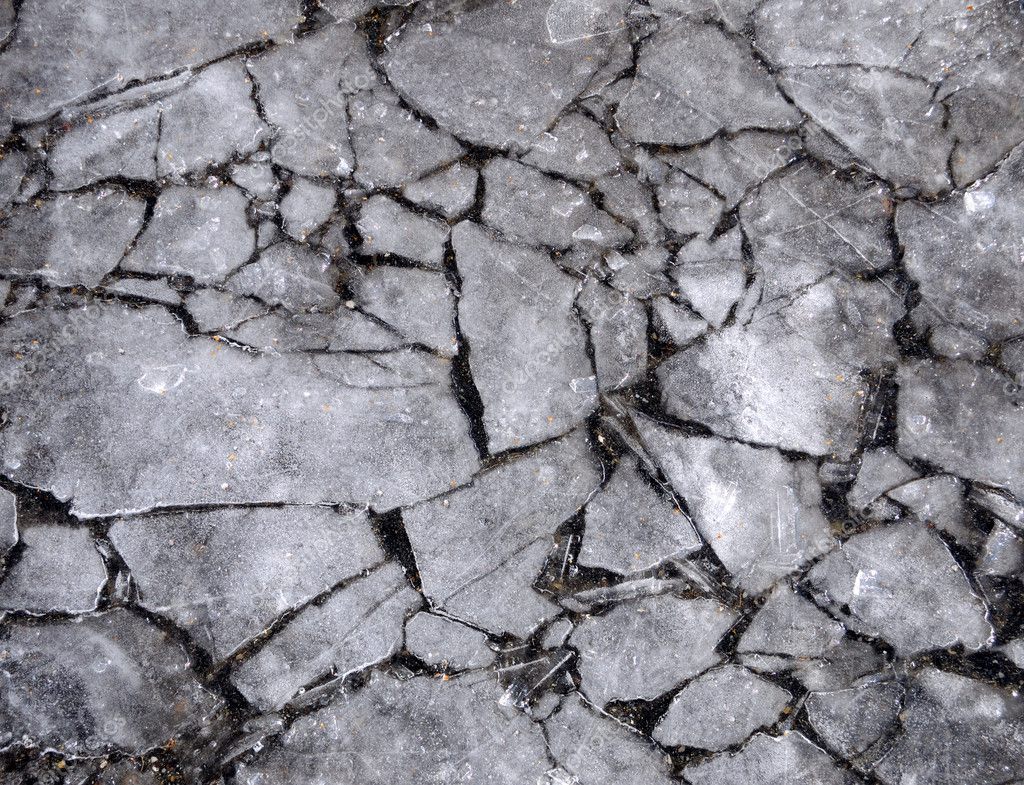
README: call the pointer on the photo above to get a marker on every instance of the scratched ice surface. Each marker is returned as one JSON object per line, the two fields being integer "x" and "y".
{"x": 512, "y": 392}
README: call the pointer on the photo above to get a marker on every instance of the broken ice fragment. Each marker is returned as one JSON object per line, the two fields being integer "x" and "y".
{"x": 793, "y": 378}
{"x": 919, "y": 603}
{"x": 528, "y": 675}
{"x": 389, "y": 228}
{"x": 587, "y": 600}
{"x": 59, "y": 569}
{"x": 576, "y": 20}
{"x": 954, "y": 730}
{"x": 577, "y": 147}
{"x": 449, "y": 192}
{"x": 256, "y": 178}
{"x": 957, "y": 415}
{"x": 939, "y": 501}
{"x": 305, "y": 207}
{"x": 791, "y": 626}
{"x": 758, "y": 511}
{"x": 418, "y": 304}
{"x": 8, "y": 521}
{"x": 480, "y": 549}
{"x": 440, "y": 641}
{"x": 851, "y": 720}
{"x": 642, "y": 649}
{"x": 881, "y": 470}
{"x": 630, "y": 527}
{"x": 834, "y": 32}
{"x": 70, "y": 239}
{"x": 111, "y": 681}
{"x": 1003, "y": 553}
{"x": 719, "y": 709}
{"x": 490, "y": 74}
{"x": 359, "y": 625}
{"x": 211, "y": 120}
{"x": 224, "y": 575}
{"x": 392, "y": 146}
{"x": 527, "y": 348}
{"x": 809, "y": 222}
{"x": 967, "y": 260}
{"x": 688, "y": 207}
{"x": 199, "y": 232}
{"x": 303, "y": 87}
{"x": 593, "y": 748}
{"x": 291, "y": 276}
{"x": 693, "y": 81}
{"x": 618, "y": 333}
{"x": 214, "y": 310}
{"x": 675, "y": 323}
{"x": 304, "y": 428}
{"x": 407, "y": 733}
{"x": 711, "y": 276}
{"x": 536, "y": 209}
{"x": 786, "y": 758}
{"x": 118, "y": 145}
{"x": 885, "y": 117}
{"x": 1014, "y": 650}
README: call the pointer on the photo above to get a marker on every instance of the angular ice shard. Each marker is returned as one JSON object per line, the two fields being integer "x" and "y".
{"x": 407, "y": 733}
{"x": 72, "y": 239}
{"x": 291, "y": 276}
{"x": 440, "y": 641}
{"x": 480, "y": 548}
{"x": 199, "y": 232}
{"x": 389, "y": 228}
{"x": 900, "y": 582}
{"x": 693, "y": 81}
{"x": 526, "y": 344}
{"x": 357, "y": 626}
{"x": 958, "y": 415}
{"x": 534, "y": 209}
{"x": 304, "y": 87}
{"x": 224, "y": 575}
{"x": 209, "y": 121}
{"x": 955, "y": 729}
{"x": 73, "y": 54}
{"x": 593, "y": 748}
{"x": 130, "y": 413}
{"x": 59, "y": 569}
{"x": 490, "y": 74}
{"x": 964, "y": 254}
{"x": 8, "y": 521}
{"x": 642, "y": 649}
{"x": 790, "y": 757}
{"x": 720, "y": 708}
{"x": 84, "y": 685}
{"x": 758, "y": 511}
{"x": 852, "y": 720}
{"x": 392, "y": 146}
{"x": 631, "y": 527}
{"x": 791, "y": 379}
{"x": 884, "y": 117}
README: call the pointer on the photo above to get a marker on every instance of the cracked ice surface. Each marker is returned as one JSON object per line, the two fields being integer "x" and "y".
{"x": 549, "y": 392}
